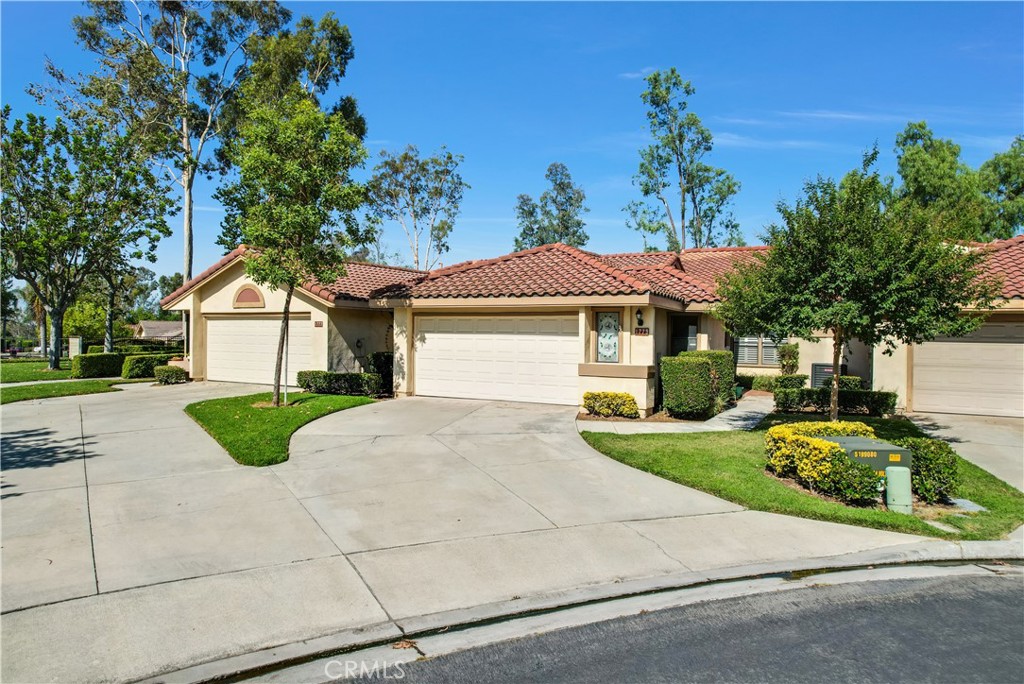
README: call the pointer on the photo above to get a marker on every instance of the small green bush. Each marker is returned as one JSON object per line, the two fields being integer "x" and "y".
{"x": 764, "y": 383}
{"x": 687, "y": 386}
{"x": 850, "y": 482}
{"x": 383, "y": 364}
{"x": 846, "y": 382}
{"x": 170, "y": 375}
{"x": 789, "y": 381}
{"x": 935, "y": 470}
{"x": 611, "y": 404}
{"x": 131, "y": 349}
{"x": 97, "y": 365}
{"x": 745, "y": 381}
{"x": 723, "y": 370}
{"x": 142, "y": 365}
{"x": 95, "y": 349}
{"x": 850, "y": 401}
{"x": 328, "y": 382}
{"x": 789, "y": 358}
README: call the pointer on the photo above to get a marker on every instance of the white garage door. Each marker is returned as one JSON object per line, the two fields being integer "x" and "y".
{"x": 511, "y": 358}
{"x": 245, "y": 349}
{"x": 981, "y": 374}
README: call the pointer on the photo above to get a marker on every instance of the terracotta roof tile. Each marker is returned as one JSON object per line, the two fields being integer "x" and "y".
{"x": 1006, "y": 261}
{"x": 359, "y": 281}
{"x": 632, "y": 260}
{"x": 550, "y": 270}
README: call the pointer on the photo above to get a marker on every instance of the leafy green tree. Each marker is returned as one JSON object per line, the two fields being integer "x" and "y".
{"x": 423, "y": 195}
{"x": 122, "y": 291}
{"x": 967, "y": 204}
{"x": 36, "y": 311}
{"x": 293, "y": 193}
{"x": 848, "y": 260}
{"x": 8, "y": 306}
{"x": 168, "y": 72}
{"x": 72, "y": 196}
{"x": 1002, "y": 181}
{"x": 557, "y": 217}
{"x": 165, "y": 285}
{"x": 673, "y": 173}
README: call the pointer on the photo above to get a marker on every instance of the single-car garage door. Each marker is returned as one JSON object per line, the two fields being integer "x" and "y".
{"x": 511, "y": 358}
{"x": 244, "y": 349}
{"x": 981, "y": 374}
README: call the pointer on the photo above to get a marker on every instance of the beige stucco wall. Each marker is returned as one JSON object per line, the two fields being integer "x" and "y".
{"x": 856, "y": 355}
{"x": 891, "y": 372}
{"x": 353, "y": 334}
{"x": 402, "y": 341}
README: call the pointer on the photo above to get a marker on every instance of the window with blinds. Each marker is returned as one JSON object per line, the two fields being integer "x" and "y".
{"x": 746, "y": 351}
{"x": 770, "y": 352}
{"x": 757, "y": 351}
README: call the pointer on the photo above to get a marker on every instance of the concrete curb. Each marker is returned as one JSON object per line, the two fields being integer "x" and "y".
{"x": 277, "y": 657}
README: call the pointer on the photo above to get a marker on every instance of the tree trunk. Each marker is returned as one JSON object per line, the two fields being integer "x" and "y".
{"x": 188, "y": 178}
{"x": 108, "y": 338}
{"x": 44, "y": 348}
{"x": 837, "y": 358}
{"x": 56, "y": 337}
{"x": 280, "y": 347}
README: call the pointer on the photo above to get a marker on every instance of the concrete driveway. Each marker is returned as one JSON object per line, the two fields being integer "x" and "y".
{"x": 993, "y": 443}
{"x": 133, "y": 545}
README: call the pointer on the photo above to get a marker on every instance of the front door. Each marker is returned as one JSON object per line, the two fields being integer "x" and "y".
{"x": 683, "y": 333}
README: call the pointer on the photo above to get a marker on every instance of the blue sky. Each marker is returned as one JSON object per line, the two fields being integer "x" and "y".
{"x": 789, "y": 91}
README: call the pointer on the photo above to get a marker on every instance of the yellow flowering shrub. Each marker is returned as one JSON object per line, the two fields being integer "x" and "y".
{"x": 794, "y": 450}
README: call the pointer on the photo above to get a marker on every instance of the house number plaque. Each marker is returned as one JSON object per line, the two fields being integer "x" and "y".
{"x": 641, "y": 331}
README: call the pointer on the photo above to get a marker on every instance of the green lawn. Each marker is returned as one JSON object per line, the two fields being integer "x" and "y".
{"x": 61, "y": 389}
{"x": 15, "y": 370}
{"x": 731, "y": 465}
{"x": 259, "y": 436}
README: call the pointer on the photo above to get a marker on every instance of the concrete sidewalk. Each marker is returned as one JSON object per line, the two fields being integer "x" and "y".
{"x": 748, "y": 412}
{"x": 135, "y": 547}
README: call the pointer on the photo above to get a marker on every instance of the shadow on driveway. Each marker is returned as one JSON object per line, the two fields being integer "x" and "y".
{"x": 37, "y": 448}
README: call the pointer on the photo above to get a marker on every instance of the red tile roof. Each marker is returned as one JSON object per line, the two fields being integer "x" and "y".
{"x": 359, "y": 281}
{"x": 1006, "y": 261}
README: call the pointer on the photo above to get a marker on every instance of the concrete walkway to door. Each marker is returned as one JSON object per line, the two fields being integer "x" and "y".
{"x": 133, "y": 546}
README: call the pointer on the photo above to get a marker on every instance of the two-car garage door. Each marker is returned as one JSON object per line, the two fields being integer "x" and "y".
{"x": 244, "y": 349}
{"x": 981, "y": 374}
{"x": 510, "y": 358}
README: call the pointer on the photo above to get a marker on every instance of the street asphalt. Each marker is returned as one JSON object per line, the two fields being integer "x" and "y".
{"x": 939, "y": 629}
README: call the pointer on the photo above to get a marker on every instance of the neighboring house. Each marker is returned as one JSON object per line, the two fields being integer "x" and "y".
{"x": 550, "y": 323}
{"x": 158, "y": 330}
{"x": 235, "y": 323}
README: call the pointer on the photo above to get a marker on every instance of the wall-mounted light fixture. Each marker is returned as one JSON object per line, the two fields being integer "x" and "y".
{"x": 639, "y": 318}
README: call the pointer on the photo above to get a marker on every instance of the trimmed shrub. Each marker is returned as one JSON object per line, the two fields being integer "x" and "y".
{"x": 131, "y": 348}
{"x": 95, "y": 349}
{"x": 97, "y": 365}
{"x": 850, "y": 401}
{"x": 745, "y": 381}
{"x": 846, "y": 382}
{"x": 142, "y": 365}
{"x": 383, "y": 364}
{"x": 723, "y": 371}
{"x": 802, "y": 451}
{"x": 170, "y": 375}
{"x": 611, "y": 404}
{"x": 935, "y": 470}
{"x": 764, "y": 383}
{"x": 687, "y": 386}
{"x": 328, "y": 382}
{"x": 779, "y": 440}
{"x": 790, "y": 381}
{"x": 789, "y": 358}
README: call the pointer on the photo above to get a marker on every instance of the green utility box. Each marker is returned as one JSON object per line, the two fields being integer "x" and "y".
{"x": 875, "y": 453}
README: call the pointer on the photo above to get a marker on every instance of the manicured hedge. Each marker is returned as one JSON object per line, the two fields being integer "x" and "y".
{"x": 935, "y": 470}
{"x": 327, "y": 382}
{"x": 95, "y": 349}
{"x": 170, "y": 375}
{"x": 97, "y": 365}
{"x": 383, "y": 364}
{"x": 802, "y": 451}
{"x": 723, "y": 371}
{"x": 846, "y": 382}
{"x": 790, "y": 381}
{"x": 745, "y": 381}
{"x": 850, "y": 401}
{"x": 611, "y": 404}
{"x": 142, "y": 365}
{"x": 131, "y": 348}
{"x": 687, "y": 386}
{"x": 764, "y": 383}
